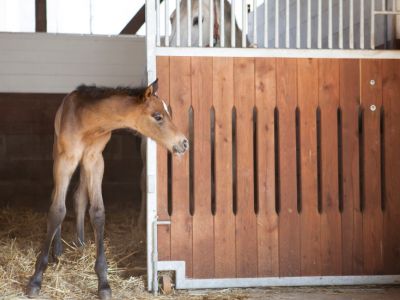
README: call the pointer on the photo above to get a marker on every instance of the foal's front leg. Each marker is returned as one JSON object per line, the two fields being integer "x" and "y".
{"x": 63, "y": 169}
{"x": 94, "y": 170}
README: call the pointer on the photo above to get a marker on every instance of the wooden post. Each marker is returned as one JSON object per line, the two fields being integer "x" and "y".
{"x": 397, "y": 21}
{"x": 136, "y": 22}
{"x": 41, "y": 18}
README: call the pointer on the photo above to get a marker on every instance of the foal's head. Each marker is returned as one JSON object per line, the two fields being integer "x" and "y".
{"x": 154, "y": 121}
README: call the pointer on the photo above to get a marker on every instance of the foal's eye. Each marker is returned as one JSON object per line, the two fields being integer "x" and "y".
{"x": 157, "y": 116}
{"x": 195, "y": 21}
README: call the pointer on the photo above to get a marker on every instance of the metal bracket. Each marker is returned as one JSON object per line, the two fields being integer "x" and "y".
{"x": 155, "y": 253}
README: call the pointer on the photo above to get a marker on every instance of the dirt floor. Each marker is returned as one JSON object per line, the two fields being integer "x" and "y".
{"x": 73, "y": 277}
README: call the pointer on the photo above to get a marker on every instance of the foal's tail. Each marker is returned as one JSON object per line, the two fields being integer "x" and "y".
{"x": 57, "y": 120}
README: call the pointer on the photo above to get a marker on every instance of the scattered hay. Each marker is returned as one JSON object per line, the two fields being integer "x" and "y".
{"x": 73, "y": 277}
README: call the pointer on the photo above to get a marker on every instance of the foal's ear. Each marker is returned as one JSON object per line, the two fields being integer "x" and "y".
{"x": 148, "y": 92}
{"x": 151, "y": 90}
{"x": 155, "y": 86}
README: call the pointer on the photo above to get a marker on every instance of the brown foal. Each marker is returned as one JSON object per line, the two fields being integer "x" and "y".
{"x": 83, "y": 126}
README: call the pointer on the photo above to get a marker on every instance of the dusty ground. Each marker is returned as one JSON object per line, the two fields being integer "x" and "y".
{"x": 73, "y": 276}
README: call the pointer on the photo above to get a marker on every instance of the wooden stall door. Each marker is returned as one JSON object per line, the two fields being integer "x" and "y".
{"x": 293, "y": 169}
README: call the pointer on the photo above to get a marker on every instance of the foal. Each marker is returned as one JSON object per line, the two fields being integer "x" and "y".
{"x": 83, "y": 126}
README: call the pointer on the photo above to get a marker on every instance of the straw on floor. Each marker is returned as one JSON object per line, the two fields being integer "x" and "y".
{"x": 73, "y": 276}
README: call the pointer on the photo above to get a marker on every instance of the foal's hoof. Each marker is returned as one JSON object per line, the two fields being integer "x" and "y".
{"x": 79, "y": 244}
{"x": 32, "y": 290}
{"x": 105, "y": 294}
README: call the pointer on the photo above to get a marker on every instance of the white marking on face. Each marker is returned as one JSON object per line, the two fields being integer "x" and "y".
{"x": 165, "y": 107}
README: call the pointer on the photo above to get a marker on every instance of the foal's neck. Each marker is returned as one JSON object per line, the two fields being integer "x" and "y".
{"x": 112, "y": 113}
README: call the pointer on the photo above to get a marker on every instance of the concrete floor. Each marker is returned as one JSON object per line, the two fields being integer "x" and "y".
{"x": 305, "y": 293}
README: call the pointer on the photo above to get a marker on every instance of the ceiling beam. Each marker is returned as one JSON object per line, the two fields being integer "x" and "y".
{"x": 136, "y": 22}
{"x": 40, "y": 16}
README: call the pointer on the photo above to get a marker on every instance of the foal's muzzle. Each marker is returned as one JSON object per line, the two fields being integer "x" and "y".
{"x": 181, "y": 147}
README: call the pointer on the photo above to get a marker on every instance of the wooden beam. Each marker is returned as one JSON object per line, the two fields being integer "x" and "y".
{"x": 136, "y": 22}
{"x": 40, "y": 13}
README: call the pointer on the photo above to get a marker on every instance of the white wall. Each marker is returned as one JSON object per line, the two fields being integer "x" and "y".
{"x": 57, "y": 63}
{"x": 17, "y": 15}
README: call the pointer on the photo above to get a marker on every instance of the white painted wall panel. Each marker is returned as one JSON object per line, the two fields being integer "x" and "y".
{"x": 57, "y": 63}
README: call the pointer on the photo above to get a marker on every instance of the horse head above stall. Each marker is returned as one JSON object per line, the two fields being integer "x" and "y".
{"x": 204, "y": 23}
{"x": 83, "y": 126}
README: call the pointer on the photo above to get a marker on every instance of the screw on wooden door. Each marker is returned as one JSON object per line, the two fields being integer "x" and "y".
{"x": 372, "y": 82}
{"x": 372, "y": 107}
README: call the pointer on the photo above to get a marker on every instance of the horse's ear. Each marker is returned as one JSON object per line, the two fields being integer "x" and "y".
{"x": 148, "y": 92}
{"x": 155, "y": 86}
{"x": 151, "y": 90}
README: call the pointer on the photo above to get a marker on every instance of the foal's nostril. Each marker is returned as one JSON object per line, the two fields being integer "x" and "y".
{"x": 185, "y": 144}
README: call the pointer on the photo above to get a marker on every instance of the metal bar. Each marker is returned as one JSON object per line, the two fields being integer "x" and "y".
{"x": 378, "y": 12}
{"x": 276, "y": 23}
{"x": 351, "y": 25}
{"x": 308, "y": 24}
{"x": 340, "y": 24}
{"x": 222, "y": 24}
{"x": 287, "y": 29}
{"x": 372, "y": 24}
{"x": 244, "y": 23}
{"x": 211, "y": 39}
{"x": 200, "y": 24}
{"x": 298, "y": 43}
{"x": 189, "y": 22}
{"x": 233, "y": 25}
{"x": 155, "y": 258}
{"x": 266, "y": 20}
{"x": 362, "y": 46}
{"x": 319, "y": 24}
{"x": 255, "y": 22}
{"x": 151, "y": 150}
{"x": 182, "y": 282}
{"x": 383, "y": 5}
{"x": 158, "y": 38}
{"x": 284, "y": 53}
{"x": 178, "y": 23}
{"x": 330, "y": 31}
{"x": 166, "y": 41}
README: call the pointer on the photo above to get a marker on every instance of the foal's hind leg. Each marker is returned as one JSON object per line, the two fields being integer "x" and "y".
{"x": 64, "y": 167}
{"x": 94, "y": 169}
{"x": 80, "y": 204}
{"x": 57, "y": 244}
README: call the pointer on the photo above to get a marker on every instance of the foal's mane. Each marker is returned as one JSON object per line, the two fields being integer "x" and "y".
{"x": 94, "y": 92}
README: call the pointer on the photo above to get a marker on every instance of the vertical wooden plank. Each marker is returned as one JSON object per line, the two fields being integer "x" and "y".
{"x": 203, "y": 220}
{"x": 267, "y": 218}
{"x": 391, "y": 104}
{"x": 352, "y": 236}
{"x": 310, "y": 218}
{"x": 224, "y": 219}
{"x": 246, "y": 227}
{"x": 289, "y": 220}
{"x": 164, "y": 233}
{"x": 371, "y": 94}
{"x": 181, "y": 220}
{"x": 331, "y": 252}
